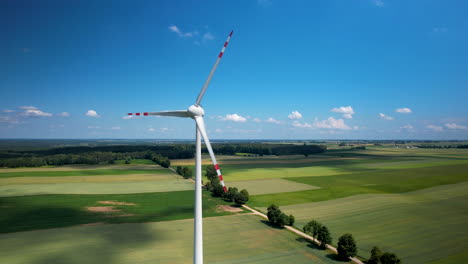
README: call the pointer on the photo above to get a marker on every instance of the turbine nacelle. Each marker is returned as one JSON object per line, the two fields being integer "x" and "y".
{"x": 195, "y": 110}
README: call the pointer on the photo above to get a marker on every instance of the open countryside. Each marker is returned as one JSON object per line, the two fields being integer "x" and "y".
{"x": 399, "y": 199}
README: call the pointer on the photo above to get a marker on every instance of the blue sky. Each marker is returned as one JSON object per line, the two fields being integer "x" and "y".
{"x": 330, "y": 69}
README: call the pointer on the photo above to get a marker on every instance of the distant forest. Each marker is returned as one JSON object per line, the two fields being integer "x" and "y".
{"x": 160, "y": 154}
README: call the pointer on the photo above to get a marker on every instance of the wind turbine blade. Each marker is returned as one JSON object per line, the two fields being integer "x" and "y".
{"x": 178, "y": 113}
{"x": 208, "y": 80}
{"x": 201, "y": 128}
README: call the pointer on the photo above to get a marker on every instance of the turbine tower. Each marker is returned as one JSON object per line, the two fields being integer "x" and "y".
{"x": 196, "y": 112}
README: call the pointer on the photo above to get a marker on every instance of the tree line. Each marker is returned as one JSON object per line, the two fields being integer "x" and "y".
{"x": 214, "y": 186}
{"x": 90, "y": 158}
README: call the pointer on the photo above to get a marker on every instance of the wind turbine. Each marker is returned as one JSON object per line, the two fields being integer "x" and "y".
{"x": 196, "y": 112}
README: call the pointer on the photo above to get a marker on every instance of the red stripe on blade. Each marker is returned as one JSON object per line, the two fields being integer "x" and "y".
{"x": 130, "y": 114}
{"x": 221, "y": 177}
{"x": 225, "y": 189}
{"x": 220, "y": 55}
{"x": 137, "y": 114}
{"x": 225, "y": 44}
{"x": 145, "y": 114}
{"x": 230, "y": 34}
{"x": 216, "y": 167}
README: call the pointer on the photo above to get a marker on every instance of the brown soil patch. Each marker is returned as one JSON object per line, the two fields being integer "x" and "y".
{"x": 102, "y": 209}
{"x": 228, "y": 208}
{"x": 116, "y": 203}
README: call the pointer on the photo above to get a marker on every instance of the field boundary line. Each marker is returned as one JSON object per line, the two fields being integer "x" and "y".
{"x": 299, "y": 232}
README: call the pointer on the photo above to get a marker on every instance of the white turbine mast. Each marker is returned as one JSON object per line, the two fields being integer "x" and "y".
{"x": 196, "y": 112}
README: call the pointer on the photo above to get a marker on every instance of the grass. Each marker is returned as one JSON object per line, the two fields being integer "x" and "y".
{"x": 227, "y": 239}
{"x": 95, "y": 187}
{"x": 25, "y": 213}
{"x": 420, "y": 226}
{"x": 80, "y": 173}
{"x": 267, "y": 186}
{"x": 383, "y": 181}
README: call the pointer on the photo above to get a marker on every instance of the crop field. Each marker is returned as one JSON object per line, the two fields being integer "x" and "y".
{"x": 268, "y": 186}
{"x": 404, "y": 223}
{"x": 408, "y": 201}
{"x": 245, "y": 239}
{"x": 96, "y": 181}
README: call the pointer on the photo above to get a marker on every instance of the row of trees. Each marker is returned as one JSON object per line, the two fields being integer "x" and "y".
{"x": 267, "y": 149}
{"x": 347, "y": 247}
{"x": 214, "y": 186}
{"x": 277, "y": 218}
{"x": 185, "y": 172}
{"x": 90, "y": 158}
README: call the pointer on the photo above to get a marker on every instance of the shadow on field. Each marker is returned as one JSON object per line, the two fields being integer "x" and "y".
{"x": 27, "y": 216}
{"x": 93, "y": 242}
{"x": 266, "y": 222}
{"x": 335, "y": 257}
{"x": 96, "y": 244}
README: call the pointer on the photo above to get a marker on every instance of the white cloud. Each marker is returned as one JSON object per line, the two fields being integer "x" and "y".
{"x": 163, "y": 129}
{"x": 127, "y": 117}
{"x": 378, "y": 3}
{"x": 331, "y": 123}
{"x": 218, "y": 130}
{"x": 115, "y": 128}
{"x": 92, "y": 113}
{"x": 94, "y": 127}
{"x": 295, "y": 115}
{"x": 272, "y": 120}
{"x": 208, "y": 36}
{"x": 301, "y": 125}
{"x": 8, "y": 111}
{"x": 386, "y": 117}
{"x": 64, "y": 114}
{"x": 28, "y": 107}
{"x": 347, "y": 111}
{"x": 176, "y": 30}
{"x": 404, "y": 110}
{"x": 435, "y": 128}
{"x": 455, "y": 126}
{"x": 257, "y": 120}
{"x": 235, "y": 118}
{"x": 35, "y": 113}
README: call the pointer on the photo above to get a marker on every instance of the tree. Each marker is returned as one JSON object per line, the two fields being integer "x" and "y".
{"x": 292, "y": 219}
{"x": 231, "y": 194}
{"x": 179, "y": 170}
{"x": 389, "y": 258}
{"x": 211, "y": 173}
{"x": 324, "y": 236}
{"x": 128, "y": 160}
{"x": 242, "y": 197}
{"x": 312, "y": 228}
{"x": 273, "y": 213}
{"x": 346, "y": 247}
{"x": 187, "y": 172}
{"x": 376, "y": 253}
{"x": 282, "y": 220}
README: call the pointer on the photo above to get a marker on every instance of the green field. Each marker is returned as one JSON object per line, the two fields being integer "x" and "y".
{"x": 48, "y": 211}
{"x": 408, "y": 201}
{"x": 267, "y": 186}
{"x": 401, "y": 223}
{"x": 80, "y": 173}
{"x": 378, "y": 181}
{"x": 227, "y": 239}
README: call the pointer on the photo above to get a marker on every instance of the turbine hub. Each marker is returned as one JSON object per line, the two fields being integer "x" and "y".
{"x": 196, "y": 110}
